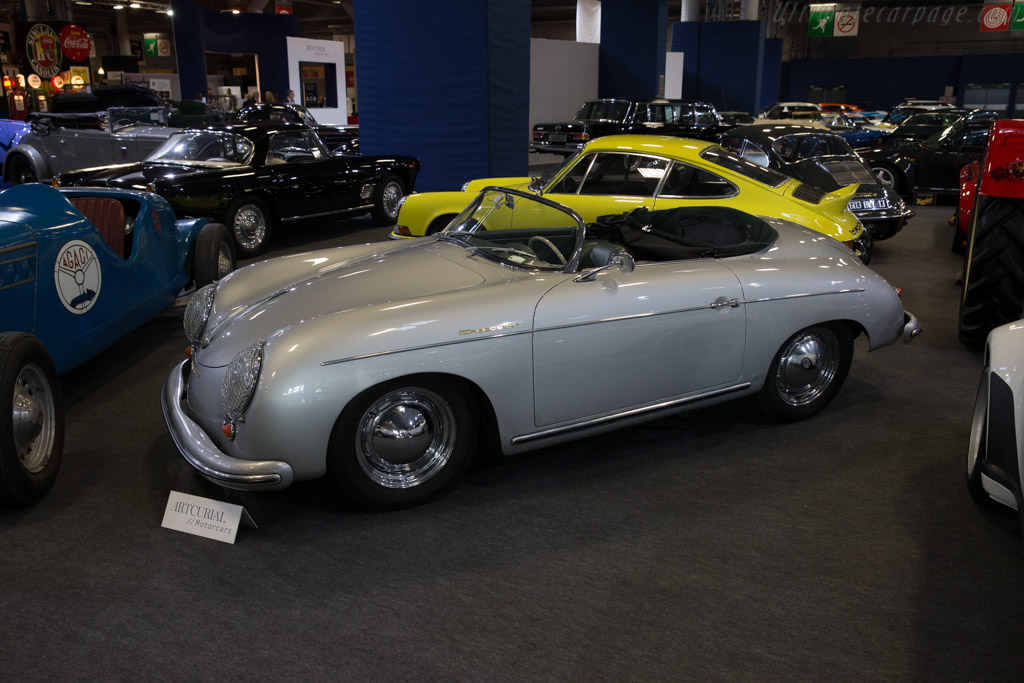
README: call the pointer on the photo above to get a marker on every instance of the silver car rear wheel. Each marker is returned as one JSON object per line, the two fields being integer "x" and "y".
{"x": 806, "y": 372}
{"x": 250, "y": 223}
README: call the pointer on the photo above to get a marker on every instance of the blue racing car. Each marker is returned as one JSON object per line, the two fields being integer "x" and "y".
{"x": 80, "y": 267}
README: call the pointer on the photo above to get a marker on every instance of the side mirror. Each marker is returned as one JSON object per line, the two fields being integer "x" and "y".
{"x": 622, "y": 260}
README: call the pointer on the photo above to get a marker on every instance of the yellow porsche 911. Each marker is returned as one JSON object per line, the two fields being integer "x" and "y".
{"x": 619, "y": 173}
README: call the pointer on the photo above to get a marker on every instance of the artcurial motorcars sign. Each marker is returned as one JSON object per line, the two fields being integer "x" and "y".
{"x": 51, "y": 47}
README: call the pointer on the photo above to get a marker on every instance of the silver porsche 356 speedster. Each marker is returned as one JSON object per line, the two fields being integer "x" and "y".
{"x": 382, "y": 365}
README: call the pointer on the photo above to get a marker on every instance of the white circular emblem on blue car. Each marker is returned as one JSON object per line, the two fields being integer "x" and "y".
{"x": 78, "y": 276}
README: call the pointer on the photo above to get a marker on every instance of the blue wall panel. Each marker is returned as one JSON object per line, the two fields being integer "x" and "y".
{"x": 198, "y": 30}
{"x": 633, "y": 37}
{"x": 731, "y": 61}
{"x": 771, "y": 73}
{"x": 875, "y": 83}
{"x": 447, "y": 83}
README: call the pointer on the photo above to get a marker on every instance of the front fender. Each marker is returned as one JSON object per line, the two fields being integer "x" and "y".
{"x": 35, "y": 157}
{"x": 420, "y": 210}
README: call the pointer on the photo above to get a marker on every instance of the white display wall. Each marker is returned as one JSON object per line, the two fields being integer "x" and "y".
{"x": 319, "y": 52}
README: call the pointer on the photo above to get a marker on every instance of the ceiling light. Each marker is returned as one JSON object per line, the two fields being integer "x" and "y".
{"x": 135, "y": 5}
{"x": 81, "y": 2}
{"x": 118, "y": 6}
{"x": 170, "y": 12}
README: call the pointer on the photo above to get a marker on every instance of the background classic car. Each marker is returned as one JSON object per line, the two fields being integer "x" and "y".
{"x": 259, "y": 176}
{"x": 511, "y": 324}
{"x": 331, "y": 136}
{"x": 936, "y": 161}
{"x": 78, "y": 269}
{"x": 618, "y": 116}
{"x": 995, "y": 455}
{"x": 824, "y": 160}
{"x": 619, "y": 173}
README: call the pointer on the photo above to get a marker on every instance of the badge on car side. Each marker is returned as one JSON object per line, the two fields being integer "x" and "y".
{"x": 77, "y": 276}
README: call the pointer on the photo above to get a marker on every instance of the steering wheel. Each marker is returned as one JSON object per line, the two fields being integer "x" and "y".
{"x": 549, "y": 244}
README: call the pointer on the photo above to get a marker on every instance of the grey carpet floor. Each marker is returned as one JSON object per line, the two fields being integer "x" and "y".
{"x": 699, "y": 547}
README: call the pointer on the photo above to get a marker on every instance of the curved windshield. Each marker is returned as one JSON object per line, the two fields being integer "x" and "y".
{"x": 518, "y": 230}
{"x": 945, "y": 135}
{"x": 603, "y": 110}
{"x": 208, "y": 147}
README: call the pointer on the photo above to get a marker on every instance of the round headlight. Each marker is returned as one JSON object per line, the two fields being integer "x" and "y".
{"x": 240, "y": 380}
{"x": 198, "y": 312}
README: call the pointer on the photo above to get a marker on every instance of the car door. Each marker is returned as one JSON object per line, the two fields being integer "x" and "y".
{"x": 609, "y": 182}
{"x": 80, "y": 149}
{"x": 666, "y": 330}
{"x": 297, "y": 171}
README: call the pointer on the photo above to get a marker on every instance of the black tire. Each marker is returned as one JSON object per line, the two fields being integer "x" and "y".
{"x": 32, "y": 443}
{"x": 806, "y": 372}
{"x": 888, "y": 175}
{"x": 386, "y": 199}
{"x": 250, "y": 223}
{"x": 979, "y": 441}
{"x": 214, "y": 254}
{"x": 957, "y": 247}
{"x": 21, "y": 171}
{"x": 993, "y": 282}
{"x": 376, "y": 469}
{"x": 439, "y": 224}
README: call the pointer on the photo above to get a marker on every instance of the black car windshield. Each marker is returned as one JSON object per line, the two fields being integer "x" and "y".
{"x": 518, "y": 230}
{"x": 744, "y": 167}
{"x": 603, "y": 110}
{"x": 944, "y": 136}
{"x": 207, "y": 147}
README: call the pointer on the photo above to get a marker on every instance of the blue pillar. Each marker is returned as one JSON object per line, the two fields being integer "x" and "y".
{"x": 686, "y": 39}
{"x": 189, "y": 47}
{"x": 771, "y": 74}
{"x": 448, "y": 83}
{"x": 633, "y": 36}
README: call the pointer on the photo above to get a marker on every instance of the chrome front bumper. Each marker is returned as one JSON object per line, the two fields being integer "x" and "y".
{"x": 911, "y": 327}
{"x": 202, "y": 453}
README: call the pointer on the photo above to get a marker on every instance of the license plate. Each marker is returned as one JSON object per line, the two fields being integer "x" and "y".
{"x": 855, "y": 205}
{"x": 555, "y": 137}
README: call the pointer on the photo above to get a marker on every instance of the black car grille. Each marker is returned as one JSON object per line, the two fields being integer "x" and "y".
{"x": 848, "y": 172}
{"x": 808, "y": 193}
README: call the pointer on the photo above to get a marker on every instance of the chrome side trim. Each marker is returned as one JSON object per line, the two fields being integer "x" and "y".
{"x": 17, "y": 247}
{"x": 350, "y": 209}
{"x": 633, "y": 412}
{"x": 855, "y": 290}
{"x": 19, "y": 282}
{"x": 375, "y": 354}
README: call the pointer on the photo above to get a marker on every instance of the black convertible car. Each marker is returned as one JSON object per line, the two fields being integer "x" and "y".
{"x": 932, "y": 166}
{"x": 332, "y": 136}
{"x": 256, "y": 177}
{"x": 824, "y": 160}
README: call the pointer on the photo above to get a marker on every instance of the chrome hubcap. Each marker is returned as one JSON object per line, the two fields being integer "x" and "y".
{"x": 391, "y": 196}
{"x": 250, "y": 226}
{"x": 807, "y": 367}
{"x": 33, "y": 418}
{"x": 223, "y": 261}
{"x": 406, "y": 437}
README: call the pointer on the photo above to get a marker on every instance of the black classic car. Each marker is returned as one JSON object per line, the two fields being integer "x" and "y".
{"x": 824, "y": 160}
{"x": 919, "y": 127}
{"x": 332, "y": 136}
{"x": 256, "y": 177}
{"x": 932, "y": 166}
{"x": 612, "y": 116}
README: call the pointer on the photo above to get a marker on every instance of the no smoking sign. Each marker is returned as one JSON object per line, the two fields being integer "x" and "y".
{"x": 847, "y": 22}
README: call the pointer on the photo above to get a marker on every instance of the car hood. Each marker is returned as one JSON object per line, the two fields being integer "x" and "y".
{"x": 391, "y": 296}
{"x": 138, "y": 175}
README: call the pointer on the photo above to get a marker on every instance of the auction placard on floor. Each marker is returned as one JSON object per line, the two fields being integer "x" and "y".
{"x": 204, "y": 517}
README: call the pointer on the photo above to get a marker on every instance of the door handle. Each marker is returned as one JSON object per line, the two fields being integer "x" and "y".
{"x": 722, "y": 303}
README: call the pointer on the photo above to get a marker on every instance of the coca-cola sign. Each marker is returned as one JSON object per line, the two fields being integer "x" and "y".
{"x": 75, "y": 43}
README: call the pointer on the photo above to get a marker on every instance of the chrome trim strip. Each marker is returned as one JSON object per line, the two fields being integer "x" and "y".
{"x": 633, "y": 412}
{"x": 327, "y": 213}
{"x": 16, "y": 247}
{"x": 15, "y": 284}
{"x": 376, "y": 354}
{"x": 26, "y": 257}
{"x": 855, "y": 290}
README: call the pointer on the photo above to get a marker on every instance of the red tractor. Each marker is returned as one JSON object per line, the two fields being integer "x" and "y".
{"x": 991, "y": 212}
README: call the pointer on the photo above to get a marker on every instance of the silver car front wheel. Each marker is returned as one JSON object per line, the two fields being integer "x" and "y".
{"x": 401, "y": 443}
{"x": 249, "y": 220}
